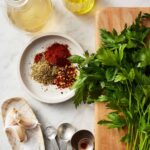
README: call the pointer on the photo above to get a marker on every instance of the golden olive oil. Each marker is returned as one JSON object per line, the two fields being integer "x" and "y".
{"x": 31, "y": 16}
{"x": 79, "y": 6}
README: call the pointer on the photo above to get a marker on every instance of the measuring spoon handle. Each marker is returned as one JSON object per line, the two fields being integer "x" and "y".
{"x": 63, "y": 145}
{"x": 54, "y": 144}
{"x": 69, "y": 147}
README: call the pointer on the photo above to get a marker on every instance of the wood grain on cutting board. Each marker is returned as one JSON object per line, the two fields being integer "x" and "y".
{"x": 109, "y": 18}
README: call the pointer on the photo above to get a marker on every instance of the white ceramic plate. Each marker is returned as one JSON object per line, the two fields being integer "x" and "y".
{"x": 48, "y": 94}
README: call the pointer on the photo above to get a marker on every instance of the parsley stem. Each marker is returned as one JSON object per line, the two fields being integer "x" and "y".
{"x": 129, "y": 91}
{"x": 135, "y": 141}
{"x": 141, "y": 148}
{"x": 131, "y": 140}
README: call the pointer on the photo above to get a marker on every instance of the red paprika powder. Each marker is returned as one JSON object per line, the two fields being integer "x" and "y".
{"x": 57, "y": 54}
{"x": 38, "y": 57}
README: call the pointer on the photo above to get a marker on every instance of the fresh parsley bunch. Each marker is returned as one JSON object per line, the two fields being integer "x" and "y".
{"x": 119, "y": 75}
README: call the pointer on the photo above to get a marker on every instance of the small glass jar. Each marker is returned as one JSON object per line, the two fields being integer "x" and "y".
{"x": 79, "y": 6}
{"x": 29, "y": 15}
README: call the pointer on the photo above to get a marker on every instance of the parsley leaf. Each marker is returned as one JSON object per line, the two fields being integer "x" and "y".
{"x": 119, "y": 75}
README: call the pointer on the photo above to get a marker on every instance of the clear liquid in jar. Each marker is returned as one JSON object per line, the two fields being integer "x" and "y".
{"x": 32, "y": 16}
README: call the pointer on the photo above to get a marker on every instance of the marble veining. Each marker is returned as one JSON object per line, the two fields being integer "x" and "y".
{"x": 12, "y": 43}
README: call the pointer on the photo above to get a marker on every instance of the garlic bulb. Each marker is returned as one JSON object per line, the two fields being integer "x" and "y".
{"x": 13, "y": 117}
{"x": 17, "y": 132}
{"x": 28, "y": 123}
{"x": 16, "y": 125}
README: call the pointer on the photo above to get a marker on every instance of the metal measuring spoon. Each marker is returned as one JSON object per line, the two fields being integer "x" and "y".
{"x": 83, "y": 140}
{"x": 51, "y": 133}
{"x": 65, "y": 132}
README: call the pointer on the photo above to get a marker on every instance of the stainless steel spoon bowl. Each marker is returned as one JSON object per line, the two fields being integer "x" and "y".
{"x": 51, "y": 133}
{"x": 65, "y": 132}
{"x": 83, "y": 140}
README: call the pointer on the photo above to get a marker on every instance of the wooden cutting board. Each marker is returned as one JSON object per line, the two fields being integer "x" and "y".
{"x": 109, "y": 18}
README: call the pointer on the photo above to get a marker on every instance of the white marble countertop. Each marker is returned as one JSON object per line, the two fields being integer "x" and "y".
{"x": 12, "y": 42}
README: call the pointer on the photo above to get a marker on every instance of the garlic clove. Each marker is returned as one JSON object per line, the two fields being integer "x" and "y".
{"x": 28, "y": 123}
{"x": 17, "y": 132}
{"x": 12, "y": 118}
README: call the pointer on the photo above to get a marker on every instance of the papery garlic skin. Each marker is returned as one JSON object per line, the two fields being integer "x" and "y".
{"x": 28, "y": 123}
{"x": 18, "y": 132}
{"x": 16, "y": 125}
{"x": 13, "y": 117}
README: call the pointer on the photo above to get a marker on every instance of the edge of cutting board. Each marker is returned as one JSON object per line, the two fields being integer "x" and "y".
{"x": 109, "y": 139}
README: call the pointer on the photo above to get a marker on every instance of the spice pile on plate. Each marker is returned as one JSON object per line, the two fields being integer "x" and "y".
{"x": 53, "y": 67}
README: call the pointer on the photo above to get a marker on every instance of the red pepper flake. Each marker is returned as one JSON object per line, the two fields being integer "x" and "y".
{"x": 57, "y": 54}
{"x": 65, "y": 77}
{"x": 38, "y": 57}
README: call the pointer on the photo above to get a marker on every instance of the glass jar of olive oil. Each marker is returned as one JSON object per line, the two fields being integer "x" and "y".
{"x": 29, "y": 15}
{"x": 79, "y": 6}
